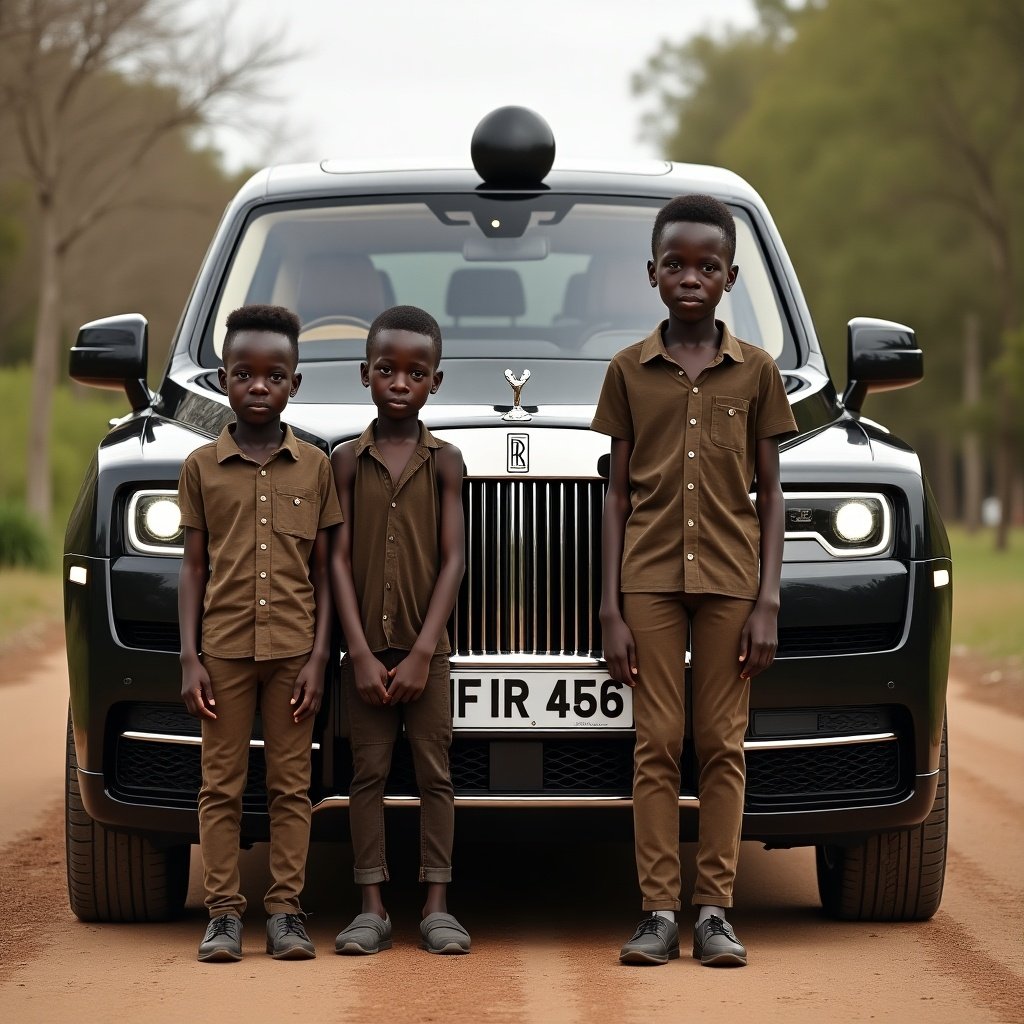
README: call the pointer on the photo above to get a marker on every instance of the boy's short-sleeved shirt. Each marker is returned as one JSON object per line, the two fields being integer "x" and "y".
{"x": 396, "y": 542}
{"x": 260, "y": 523}
{"x": 692, "y": 526}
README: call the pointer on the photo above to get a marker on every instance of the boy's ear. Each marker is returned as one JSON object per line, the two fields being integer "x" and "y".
{"x": 364, "y": 374}
{"x": 222, "y": 379}
{"x": 296, "y": 381}
{"x": 730, "y": 279}
{"x": 436, "y": 383}
{"x": 651, "y": 276}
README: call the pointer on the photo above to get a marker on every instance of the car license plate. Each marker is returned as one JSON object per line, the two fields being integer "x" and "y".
{"x": 539, "y": 700}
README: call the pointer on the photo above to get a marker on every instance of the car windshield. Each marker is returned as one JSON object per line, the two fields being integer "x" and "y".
{"x": 518, "y": 281}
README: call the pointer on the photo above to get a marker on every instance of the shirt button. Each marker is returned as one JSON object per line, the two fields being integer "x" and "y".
{"x": 732, "y": 412}
{"x": 263, "y": 497}
{"x": 385, "y": 618}
{"x": 680, "y": 373}
{"x": 263, "y": 547}
{"x": 689, "y": 522}
{"x": 392, "y": 537}
{"x": 263, "y": 575}
{"x": 689, "y": 487}
{"x": 689, "y": 455}
{"x": 689, "y": 558}
{"x": 394, "y": 504}
{"x": 297, "y": 502}
{"x": 264, "y": 520}
{"x": 263, "y": 472}
{"x": 693, "y": 423}
{"x": 263, "y": 600}
{"x": 387, "y": 586}
{"x": 695, "y": 390}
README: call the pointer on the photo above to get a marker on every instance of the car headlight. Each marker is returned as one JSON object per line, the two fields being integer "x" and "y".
{"x": 845, "y": 525}
{"x": 154, "y": 523}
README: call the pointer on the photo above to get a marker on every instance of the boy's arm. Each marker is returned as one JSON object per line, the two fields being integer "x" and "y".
{"x": 309, "y": 683}
{"x": 409, "y": 677}
{"x": 371, "y": 677}
{"x": 619, "y": 648}
{"x": 760, "y": 636}
{"x": 196, "y": 690}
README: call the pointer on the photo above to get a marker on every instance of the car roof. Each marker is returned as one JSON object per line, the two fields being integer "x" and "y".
{"x": 643, "y": 178}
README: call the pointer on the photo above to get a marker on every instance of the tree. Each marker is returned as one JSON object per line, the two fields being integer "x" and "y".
{"x": 81, "y": 140}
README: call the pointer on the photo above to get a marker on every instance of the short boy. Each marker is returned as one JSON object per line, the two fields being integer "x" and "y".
{"x": 694, "y": 416}
{"x": 256, "y": 505}
{"x": 396, "y": 566}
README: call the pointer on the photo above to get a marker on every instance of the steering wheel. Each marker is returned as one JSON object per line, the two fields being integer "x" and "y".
{"x": 339, "y": 326}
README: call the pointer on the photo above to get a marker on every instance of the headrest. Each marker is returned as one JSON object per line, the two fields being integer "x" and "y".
{"x": 478, "y": 292}
{"x": 574, "y": 303}
{"x": 618, "y": 290}
{"x": 340, "y": 285}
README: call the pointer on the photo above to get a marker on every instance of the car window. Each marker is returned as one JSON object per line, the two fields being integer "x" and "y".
{"x": 541, "y": 277}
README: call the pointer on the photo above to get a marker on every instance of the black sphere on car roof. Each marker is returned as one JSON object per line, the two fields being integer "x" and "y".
{"x": 513, "y": 147}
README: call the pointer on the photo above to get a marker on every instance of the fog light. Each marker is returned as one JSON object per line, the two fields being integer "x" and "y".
{"x": 854, "y": 521}
{"x": 162, "y": 518}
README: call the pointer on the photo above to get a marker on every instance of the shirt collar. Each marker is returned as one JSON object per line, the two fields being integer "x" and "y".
{"x": 367, "y": 438}
{"x": 654, "y": 344}
{"x": 227, "y": 446}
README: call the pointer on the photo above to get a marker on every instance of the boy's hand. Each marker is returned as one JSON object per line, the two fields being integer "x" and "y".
{"x": 619, "y": 651}
{"x": 408, "y": 679}
{"x": 309, "y": 686}
{"x": 196, "y": 688}
{"x": 371, "y": 679}
{"x": 758, "y": 641}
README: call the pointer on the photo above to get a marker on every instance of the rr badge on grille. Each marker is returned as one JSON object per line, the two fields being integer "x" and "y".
{"x": 518, "y": 450}
{"x": 517, "y": 414}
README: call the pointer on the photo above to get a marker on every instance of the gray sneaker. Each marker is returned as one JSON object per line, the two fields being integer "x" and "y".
{"x": 287, "y": 938}
{"x": 715, "y": 944}
{"x": 367, "y": 934}
{"x": 655, "y": 941}
{"x": 223, "y": 939}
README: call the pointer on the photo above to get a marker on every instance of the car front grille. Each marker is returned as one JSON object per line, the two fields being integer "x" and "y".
{"x": 532, "y": 568}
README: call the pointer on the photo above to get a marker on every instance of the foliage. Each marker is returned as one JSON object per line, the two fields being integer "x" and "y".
{"x": 21, "y": 540}
{"x": 29, "y": 600}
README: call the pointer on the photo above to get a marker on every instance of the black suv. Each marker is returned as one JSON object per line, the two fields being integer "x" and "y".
{"x": 525, "y": 271}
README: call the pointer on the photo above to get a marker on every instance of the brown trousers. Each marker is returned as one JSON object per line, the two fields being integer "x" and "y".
{"x": 372, "y": 734}
{"x": 660, "y": 624}
{"x": 238, "y": 684}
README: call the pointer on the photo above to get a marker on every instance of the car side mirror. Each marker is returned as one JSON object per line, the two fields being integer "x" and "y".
{"x": 881, "y": 356}
{"x": 112, "y": 353}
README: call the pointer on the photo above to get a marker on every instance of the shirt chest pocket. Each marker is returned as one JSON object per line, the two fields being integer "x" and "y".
{"x": 729, "y": 422}
{"x": 296, "y": 512}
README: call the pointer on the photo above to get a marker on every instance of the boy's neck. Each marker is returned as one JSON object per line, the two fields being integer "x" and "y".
{"x": 391, "y": 431}
{"x": 259, "y": 437}
{"x": 692, "y": 334}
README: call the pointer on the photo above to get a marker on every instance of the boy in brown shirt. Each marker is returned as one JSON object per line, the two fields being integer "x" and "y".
{"x": 694, "y": 415}
{"x": 396, "y": 566}
{"x": 256, "y": 505}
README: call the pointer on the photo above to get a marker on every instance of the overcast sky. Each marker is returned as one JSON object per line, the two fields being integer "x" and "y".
{"x": 411, "y": 78}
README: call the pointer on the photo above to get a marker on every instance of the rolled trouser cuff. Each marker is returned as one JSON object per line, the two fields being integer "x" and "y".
{"x": 370, "y": 876}
{"x": 435, "y": 874}
{"x": 665, "y": 904}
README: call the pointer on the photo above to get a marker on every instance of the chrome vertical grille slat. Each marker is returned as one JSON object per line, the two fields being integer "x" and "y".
{"x": 520, "y": 596}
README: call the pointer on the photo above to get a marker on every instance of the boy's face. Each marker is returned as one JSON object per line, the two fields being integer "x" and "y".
{"x": 400, "y": 373}
{"x": 259, "y": 375}
{"x": 692, "y": 269}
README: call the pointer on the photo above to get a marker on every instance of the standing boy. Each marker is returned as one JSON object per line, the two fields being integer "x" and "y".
{"x": 694, "y": 415}
{"x": 256, "y": 505}
{"x": 396, "y": 567}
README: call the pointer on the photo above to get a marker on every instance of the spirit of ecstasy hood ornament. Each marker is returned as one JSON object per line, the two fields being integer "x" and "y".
{"x": 517, "y": 414}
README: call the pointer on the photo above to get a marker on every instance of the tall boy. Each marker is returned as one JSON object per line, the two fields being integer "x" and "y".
{"x": 694, "y": 414}
{"x": 396, "y": 566}
{"x": 256, "y": 505}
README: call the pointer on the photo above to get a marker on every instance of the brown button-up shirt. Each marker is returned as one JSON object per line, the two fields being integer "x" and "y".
{"x": 396, "y": 546}
{"x": 692, "y": 526}
{"x": 260, "y": 523}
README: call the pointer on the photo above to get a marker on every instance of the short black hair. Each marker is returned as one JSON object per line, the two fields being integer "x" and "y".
{"x": 407, "y": 318}
{"x": 258, "y": 317}
{"x": 696, "y": 209}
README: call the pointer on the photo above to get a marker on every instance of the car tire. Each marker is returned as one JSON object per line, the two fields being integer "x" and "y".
{"x": 117, "y": 876}
{"x": 892, "y": 876}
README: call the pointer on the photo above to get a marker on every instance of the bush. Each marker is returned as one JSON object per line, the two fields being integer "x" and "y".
{"x": 21, "y": 540}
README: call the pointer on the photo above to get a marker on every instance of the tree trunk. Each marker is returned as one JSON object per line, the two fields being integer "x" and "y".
{"x": 39, "y": 491}
{"x": 971, "y": 446}
{"x": 944, "y": 477}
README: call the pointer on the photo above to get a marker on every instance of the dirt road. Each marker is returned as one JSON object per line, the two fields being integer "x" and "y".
{"x": 546, "y": 923}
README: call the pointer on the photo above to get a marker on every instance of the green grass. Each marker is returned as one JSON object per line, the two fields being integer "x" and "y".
{"x": 28, "y": 598}
{"x": 988, "y": 593}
